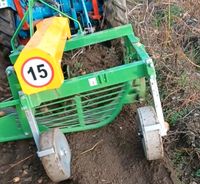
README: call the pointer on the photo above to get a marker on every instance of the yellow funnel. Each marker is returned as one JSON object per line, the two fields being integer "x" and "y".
{"x": 38, "y": 66}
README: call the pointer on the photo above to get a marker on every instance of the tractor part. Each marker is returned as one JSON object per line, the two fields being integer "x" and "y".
{"x": 55, "y": 155}
{"x": 38, "y": 66}
{"x": 7, "y": 28}
{"x": 116, "y": 12}
{"x": 40, "y": 9}
{"x": 20, "y": 13}
{"x": 149, "y": 131}
{"x": 96, "y": 14}
{"x": 87, "y": 19}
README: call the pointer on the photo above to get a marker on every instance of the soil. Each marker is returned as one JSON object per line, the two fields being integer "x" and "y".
{"x": 91, "y": 59}
{"x": 110, "y": 155}
{"x": 114, "y": 154}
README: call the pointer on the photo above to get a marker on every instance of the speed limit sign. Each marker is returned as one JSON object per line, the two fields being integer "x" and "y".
{"x": 37, "y": 72}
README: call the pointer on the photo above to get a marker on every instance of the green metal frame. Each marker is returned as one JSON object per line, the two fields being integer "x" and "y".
{"x": 123, "y": 83}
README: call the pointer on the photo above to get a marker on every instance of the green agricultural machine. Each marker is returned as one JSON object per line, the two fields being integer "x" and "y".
{"x": 45, "y": 105}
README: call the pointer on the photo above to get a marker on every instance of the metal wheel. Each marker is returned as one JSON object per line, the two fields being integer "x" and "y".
{"x": 150, "y": 133}
{"x": 57, "y": 164}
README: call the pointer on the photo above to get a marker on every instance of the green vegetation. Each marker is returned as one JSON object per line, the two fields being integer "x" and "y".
{"x": 175, "y": 116}
{"x": 167, "y": 15}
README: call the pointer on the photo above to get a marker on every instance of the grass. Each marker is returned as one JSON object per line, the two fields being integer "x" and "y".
{"x": 170, "y": 30}
{"x": 178, "y": 157}
{"x": 167, "y": 15}
{"x": 197, "y": 173}
{"x": 176, "y": 116}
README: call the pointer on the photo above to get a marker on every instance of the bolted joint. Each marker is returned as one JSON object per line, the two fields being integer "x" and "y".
{"x": 46, "y": 152}
{"x": 149, "y": 61}
{"x": 9, "y": 70}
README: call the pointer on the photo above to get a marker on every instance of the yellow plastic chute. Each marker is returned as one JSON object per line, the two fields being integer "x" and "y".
{"x": 38, "y": 66}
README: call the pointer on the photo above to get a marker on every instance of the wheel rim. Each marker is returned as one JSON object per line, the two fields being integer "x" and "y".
{"x": 63, "y": 152}
{"x": 151, "y": 140}
{"x": 57, "y": 165}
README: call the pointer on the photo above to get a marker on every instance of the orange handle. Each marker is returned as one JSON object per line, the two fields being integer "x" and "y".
{"x": 96, "y": 14}
{"x": 20, "y": 13}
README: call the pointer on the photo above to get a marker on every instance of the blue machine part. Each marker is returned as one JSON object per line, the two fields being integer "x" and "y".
{"x": 77, "y": 9}
{"x": 40, "y": 12}
{"x": 7, "y": 4}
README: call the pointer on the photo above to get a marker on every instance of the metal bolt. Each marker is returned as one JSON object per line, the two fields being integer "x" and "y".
{"x": 140, "y": 134}
{"x": 150, "y": 62}
{"x": 26, "y": 133}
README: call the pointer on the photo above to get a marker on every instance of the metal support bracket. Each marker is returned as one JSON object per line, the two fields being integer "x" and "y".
{"x": 45, "y": 152}
{"x": 152, "y": 128}
{"x": 34, "y": 127}
{"x": 156, "y": 99}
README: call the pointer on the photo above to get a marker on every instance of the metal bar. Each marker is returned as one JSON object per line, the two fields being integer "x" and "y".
{"x": 58, "y": 119}
{"x": 101, "y": 112}
{"x": 50, "y": 124}
{"x": 102, "y": 36}
{"x": 31, "y": 26}
{"x": 34, "y": 127}
{"x": 45, "y": 152}
{"x": 89, "y": 127}
{"x": 55, "y": 114}
{"x": 102, "y": 90}
{"x": 102, "y": 101}
{"x": 90, "y": 121}
{"x": 157, "y": 104}
{"x": 17, "y": 30}
{"x": 51, "y": 110}
{"x": 102, "y": 96}
{"x": 87, "y": 17}
{"x": 57, "y": 102}
{"x": 9, "y": 103}
{"x": 66, "y": 123}
{"x": 152, "y": 127}
{"x": 79, "y": 110}
{"x": 139, "y": 48}
{"x": 102, "y": 107}
{"x": 80, "y": 84}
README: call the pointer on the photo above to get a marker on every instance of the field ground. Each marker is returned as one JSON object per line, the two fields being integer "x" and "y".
{"x": 113, "y": 155}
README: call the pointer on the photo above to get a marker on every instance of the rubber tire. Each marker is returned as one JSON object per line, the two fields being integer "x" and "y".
{"x": 116, "y": 12}
{"x": 57, "y": 165}
{"x": 151, "y": 140}
{"x": 7, "y": 28}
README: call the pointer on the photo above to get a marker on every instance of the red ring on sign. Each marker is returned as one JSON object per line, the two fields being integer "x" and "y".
{"x": 42, "y": 60}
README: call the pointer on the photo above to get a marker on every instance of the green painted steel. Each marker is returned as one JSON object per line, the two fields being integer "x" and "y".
{"x": 10, "y": 103}
{"x": 77, "y": 106}
{"x": 102, "y": 36}
{"x": 9, "y": 129}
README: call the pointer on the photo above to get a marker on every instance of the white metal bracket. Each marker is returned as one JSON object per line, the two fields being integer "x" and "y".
{"x": 151, "y": 128}
{"x": 157, "y": 102}
{"x": 45, "y": 152}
